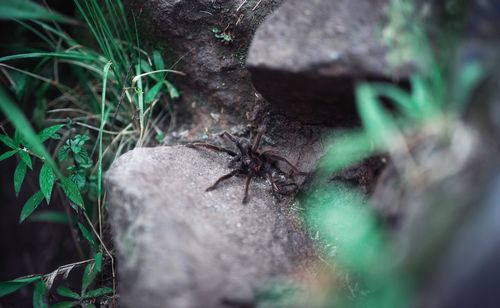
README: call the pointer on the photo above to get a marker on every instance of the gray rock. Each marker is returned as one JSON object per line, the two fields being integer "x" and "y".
{"x": 216, "y": 73}
{"x": 307, "y": 55}
{"x": 179, "y": 246}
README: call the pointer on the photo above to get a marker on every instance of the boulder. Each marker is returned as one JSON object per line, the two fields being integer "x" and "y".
{"x": 179, "y": 246}
{"x": 306, "y": 57}
{"x": 208, "y": 40}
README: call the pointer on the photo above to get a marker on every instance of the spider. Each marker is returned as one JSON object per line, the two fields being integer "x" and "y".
{"x": 251, "y": 162}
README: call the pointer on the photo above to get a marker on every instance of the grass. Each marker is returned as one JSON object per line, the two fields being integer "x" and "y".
{"x": 105, "y": 107}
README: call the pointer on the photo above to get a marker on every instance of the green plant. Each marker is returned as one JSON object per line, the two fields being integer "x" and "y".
{"x": 105, "y": 105}
{"x": 222, "y": 36}
{"x": 348, "y": 231}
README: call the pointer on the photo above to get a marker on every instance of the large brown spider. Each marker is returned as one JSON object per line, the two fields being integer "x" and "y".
{"x": 251, "y": 161}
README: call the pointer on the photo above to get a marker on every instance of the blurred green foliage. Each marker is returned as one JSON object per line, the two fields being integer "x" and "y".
{"x": 341, "y": 215}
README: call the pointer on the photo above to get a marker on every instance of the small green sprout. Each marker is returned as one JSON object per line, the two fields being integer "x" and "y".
{"x": 224, "y": 37}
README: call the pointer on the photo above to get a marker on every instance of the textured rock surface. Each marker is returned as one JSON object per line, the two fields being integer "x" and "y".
{"x": 306, "y": 56}
{"x": 179, "y": 246}
{"x": 216, "y": 73}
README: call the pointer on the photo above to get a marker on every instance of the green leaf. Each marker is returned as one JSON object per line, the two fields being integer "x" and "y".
{"x": 172, "y": 90}
{"x": 469, "y": 77}
{"x": 82, "y": 157}
{"x": 39, "y": 295}
{"x": 8, "y": 287}
{"x": 8, "y": 141}
{"x": 346, "y": 149}
{"x": 88, "y": 236}
{"x": 378, "y": 123}
{"x": 47, "y": 133}
{"x": 89, "y": 275}
{"x": 25, "y": 9}
{"x": 98, "y": 292}
{"x": 19, "y": 175}
{"x": 145, "y": 67}
{"x": 153, "y": 92}
{"x": 98, "y": 261}
{"x": 8, "y": 154}
{"x": 158, "y": 60}
{"x": 51, "y": 217}
{"x": 47, "y": 180}
{"x": 72, "y": 192}
{"x": 89, "y": 306}
{"x": 31, "y": 205}
{"x": 78, "y": 177}
{"x": 67, "y": 292}
{"x": 25, "y": 157}
{"x": 65, "y": 305}
{"x": 62, "y": 153}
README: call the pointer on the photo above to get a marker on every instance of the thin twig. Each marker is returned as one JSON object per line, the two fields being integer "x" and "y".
{"x": 105, "y": 249}
{"x": 255, "y": 7}
{"x": 71, "y": 229}
{"x": 90, "y": 127}
{"x": 242, "y": 4}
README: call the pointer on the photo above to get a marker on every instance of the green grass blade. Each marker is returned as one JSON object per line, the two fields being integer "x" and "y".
{"x": 26, "y": 9}
{"x": 103, "y": 122}
{"x": 59, "y": 33}
{"x": 8, "y": 287}
{"x": 41, "y": 35}
{"x": 70, "y": 55}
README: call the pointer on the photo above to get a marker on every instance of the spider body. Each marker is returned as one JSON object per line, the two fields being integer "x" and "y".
{"x": 251, "y": 161}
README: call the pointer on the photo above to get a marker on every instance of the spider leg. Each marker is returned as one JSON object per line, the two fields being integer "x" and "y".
{"x": 273, "y": 183}
{"x": 275, "y": 188}
{"x": 229, "y": 136}
{"x": 222, "y": 178}
{"x": 281, "y": 158}
{"x": 294, "y": 185}
{"x": 211, "y": 147}
{"x": 258, "y": 137}
{"x": 247, "y": 184}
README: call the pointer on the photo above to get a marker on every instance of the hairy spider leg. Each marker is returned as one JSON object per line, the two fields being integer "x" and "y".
{"x": 258, "y": 137}
{"x": 275, "y": 187}
{"x": 247, "y": 184}
{"x": 272, "y": 156}
{"x": 211, "y": 147}
{"x": 288, "y": 184}
{"x": 222, "y": 178}
{"x": 273, "y": 183}
{"x": 229, "y": 136}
